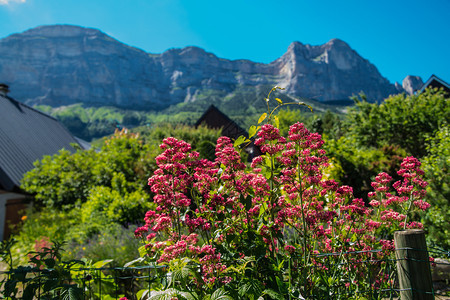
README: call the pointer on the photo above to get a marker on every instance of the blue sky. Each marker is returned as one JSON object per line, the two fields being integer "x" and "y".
{"x": 400, "y": 37}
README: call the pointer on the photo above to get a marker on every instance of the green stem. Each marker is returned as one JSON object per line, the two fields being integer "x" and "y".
{"x": 272, "y": 213}
{"x": 303, "y": 211}
{"x": 408, "y": 210}
{"x": 290, "y": 278}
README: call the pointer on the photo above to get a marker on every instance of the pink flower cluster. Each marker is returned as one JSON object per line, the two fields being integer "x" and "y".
{"x": 206, "y": 210}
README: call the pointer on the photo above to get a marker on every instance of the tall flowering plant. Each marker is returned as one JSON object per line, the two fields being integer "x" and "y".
{"x": 277, "y": 228}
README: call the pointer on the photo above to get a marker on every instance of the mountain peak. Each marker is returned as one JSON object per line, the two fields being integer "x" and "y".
{"x": 296, "y": 44}
{"x": 337, "y": 43}
{"x": 411, "y": 84}
{"x": 61, "y": 30}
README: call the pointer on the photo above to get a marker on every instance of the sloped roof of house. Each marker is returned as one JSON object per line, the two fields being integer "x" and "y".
{"x": 214, "y": 118}
{"x": 26, "y": 135}
{"x": 436, "y": 82}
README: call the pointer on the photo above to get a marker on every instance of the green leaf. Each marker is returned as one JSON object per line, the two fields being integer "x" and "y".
{"x": 251, "y": 288}
{"x": 171, "y": 293}
{"x": 142, "y": 294}
{"x": 21, "y": 272}
{"x": 247, "y": 201}
{"x": 304, "y": 104}
{"x": 230, "y": 237}
{"x": 137, "y": 260}
{"x": 262, "y": 210}
{"x": 268, "y": 162}
{"x": 220, "y": 294}
{"x": 108, "y": 297}
{"x": 272, "y": 294}
{"x": 262, "y": 118}
{"x": 29, "y": 291}
{"x": 50, "y": 285}
{"x": 102, "y": 263}
{"x": 281, "y": 285}
{"x": 72, "y": 293}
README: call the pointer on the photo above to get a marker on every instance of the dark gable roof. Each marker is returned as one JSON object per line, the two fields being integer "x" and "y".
{"x": 214, "y": 118}
{"x": 26, "y": 135}
{"x": 436, "y": 82}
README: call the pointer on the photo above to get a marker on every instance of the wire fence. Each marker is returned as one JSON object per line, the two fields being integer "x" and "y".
{"x": 136, "y": 282}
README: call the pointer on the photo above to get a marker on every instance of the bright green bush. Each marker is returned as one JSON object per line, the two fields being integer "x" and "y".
{"x": 357, "y": 166}
{"x": 115, "y": 203}
{"x": 61, "y": 180}
{"x": 202, "y": 139}
{"x": 64, "y": 180}
{"x": 436, "y": 166}
{"x": 401, "y": 120}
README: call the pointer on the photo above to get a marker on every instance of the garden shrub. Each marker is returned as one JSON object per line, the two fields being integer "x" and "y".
{"x": 403, "y": 120}
{"x": 436, "y": 166}
{"x": 357, "y": 166}
{"x": 115, "y": 203}
{"x": 64, "y": 180}
{"x": 93, "y": 195}
{"x": 43, "y": 225}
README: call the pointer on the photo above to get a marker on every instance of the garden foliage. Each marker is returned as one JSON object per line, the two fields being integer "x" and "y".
{"x": 376, "y": 137}
{"x": 436, "y": 166}
{"x": 403, "y": 120}
{"x": 277, "y": 229}
{"x": 91, "y": 197}
{"x": 48, "y": 276}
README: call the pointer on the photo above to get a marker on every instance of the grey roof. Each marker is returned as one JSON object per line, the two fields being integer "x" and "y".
{"x": 26, "y": 135}
{"x": 436, "y": 82}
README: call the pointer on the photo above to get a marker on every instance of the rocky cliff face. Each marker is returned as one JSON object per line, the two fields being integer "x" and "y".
{"x": 62, "y": 64}
{"x": 331, "y": 71}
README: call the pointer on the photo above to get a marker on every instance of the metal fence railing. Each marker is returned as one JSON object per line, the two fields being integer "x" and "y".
{"x": 133, "y": 282}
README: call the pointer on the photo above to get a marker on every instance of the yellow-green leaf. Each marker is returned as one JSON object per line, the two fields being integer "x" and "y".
{"x": 102, "y": 263}
{"x": 277, "y": 122}
{"x": 240, "y": 140}
{"x": 252, "y": 131}
{"x": 304, "y": 104}
{"x": 262, "y": 118}
{"x": 142, "y": 251}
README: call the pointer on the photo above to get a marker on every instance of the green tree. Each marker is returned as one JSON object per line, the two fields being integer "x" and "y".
{"x": 202, "y": 139}
{"x": 401, "y": 120}
{"x": 357, "y": 166}
{"x": 436, "y": 166}
{"x": 65, "y": 180}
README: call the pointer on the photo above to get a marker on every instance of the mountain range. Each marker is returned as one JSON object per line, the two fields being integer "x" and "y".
{"x": 64, "y": 64}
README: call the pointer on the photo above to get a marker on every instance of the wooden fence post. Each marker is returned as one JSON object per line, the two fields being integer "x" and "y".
{"x": 413, "y": 266}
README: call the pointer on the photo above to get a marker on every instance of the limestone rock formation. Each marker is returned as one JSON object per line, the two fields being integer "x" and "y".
{"x": 411, "y": 84}
{"x": 63, "y": 64}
